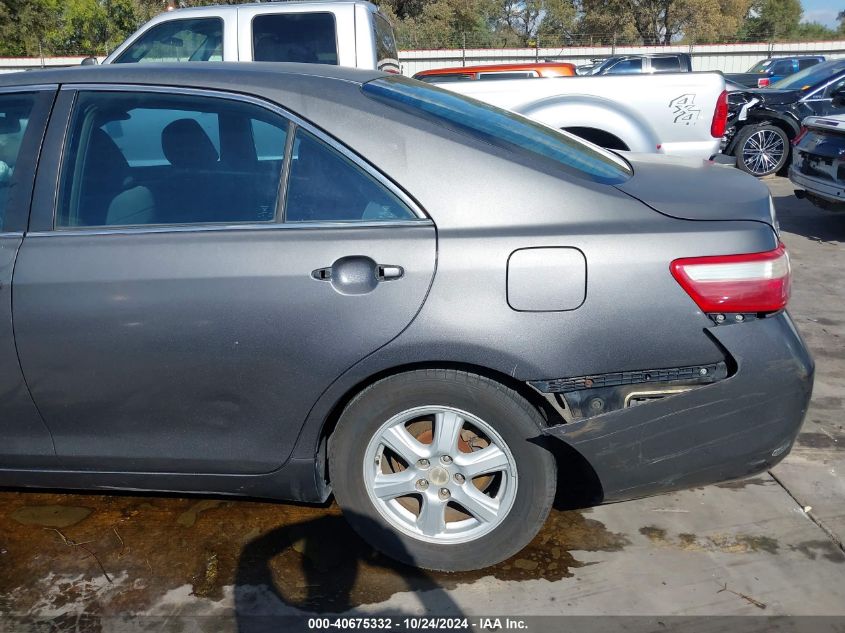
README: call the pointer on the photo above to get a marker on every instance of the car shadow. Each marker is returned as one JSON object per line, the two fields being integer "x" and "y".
{"x": 334, "y": 574}
{"x": 801, "y": 217}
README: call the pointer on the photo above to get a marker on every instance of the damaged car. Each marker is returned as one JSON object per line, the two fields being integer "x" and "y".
{"x": 818, "y": 163}
{"x": 286, "y": 281}
{"x": 762, "y": 123}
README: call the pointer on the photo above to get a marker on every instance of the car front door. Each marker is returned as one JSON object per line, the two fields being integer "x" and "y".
{"x": 23, "y": 119}
{"x": 205, "y": 270}
{"x": 820, "y": 102}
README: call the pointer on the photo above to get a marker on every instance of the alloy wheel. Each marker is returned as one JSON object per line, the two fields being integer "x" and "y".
{"x": 763, "y": 152}
{"x": 440, "y": 474}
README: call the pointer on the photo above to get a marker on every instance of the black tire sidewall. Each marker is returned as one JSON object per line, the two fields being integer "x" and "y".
{"x": 746, "y": 133}
{"x": 511, "y": 417}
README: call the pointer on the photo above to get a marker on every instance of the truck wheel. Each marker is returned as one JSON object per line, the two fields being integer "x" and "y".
{"x": 762, "y": 149}
{"x": 436, "y": 468}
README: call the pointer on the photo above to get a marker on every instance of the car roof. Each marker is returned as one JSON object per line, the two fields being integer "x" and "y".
{"x": 204, "y": 74}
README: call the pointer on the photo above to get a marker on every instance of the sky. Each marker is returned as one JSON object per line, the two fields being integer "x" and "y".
{"x": 823, "y": 11}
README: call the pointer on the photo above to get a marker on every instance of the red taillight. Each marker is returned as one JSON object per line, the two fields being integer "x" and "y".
{"x": 758, "y": 282}
{"x": 801, "y": 135}
{"x": 720, "y": 116}
{"x": 763, "y": 82}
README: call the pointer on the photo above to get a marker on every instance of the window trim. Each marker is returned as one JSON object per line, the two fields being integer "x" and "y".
{"x": 129, "y": 46}
{"x": 277, "y": 13}
{"x": 31, "y": 173}
{"x": 293, "y": 120}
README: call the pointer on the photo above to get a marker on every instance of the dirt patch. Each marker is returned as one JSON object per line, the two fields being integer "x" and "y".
{"x": 54, "y": 516}
{"x": 821, "y": 440}
{"x": 304, "y": 556}
{"x": 725, "y": 543}
{"x": 829, "y": 403}
{"x": 739, "y": 484}
{"x": 820, "y": 549}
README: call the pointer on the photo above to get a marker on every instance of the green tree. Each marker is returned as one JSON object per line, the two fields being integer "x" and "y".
{"x": 773, "y": 19}
{"x": 814, "y": 31}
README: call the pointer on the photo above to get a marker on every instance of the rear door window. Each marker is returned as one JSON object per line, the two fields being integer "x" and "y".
{"x": 15, "y": 110}
{"x": 190, "y": 40}
{"x": 665, "y": 64}
{"x": 326, "y": 186}
{"x": 143, "y": 158}
{"x": 294, "y": 37}
{"x": 783, "y": 67}
{"x": 806, "y": 63}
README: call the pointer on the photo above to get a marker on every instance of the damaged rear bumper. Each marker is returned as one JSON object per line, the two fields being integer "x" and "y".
{"x": 731, "y": 428}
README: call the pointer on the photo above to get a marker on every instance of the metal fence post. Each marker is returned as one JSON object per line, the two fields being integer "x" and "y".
{"x": 463, "y": 49}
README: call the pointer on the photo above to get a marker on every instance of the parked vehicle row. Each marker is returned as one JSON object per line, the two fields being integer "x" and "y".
{"x": 238, "y": 280}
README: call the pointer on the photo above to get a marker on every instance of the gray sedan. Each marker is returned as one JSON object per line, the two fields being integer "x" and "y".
{"x": 288, "y": 281}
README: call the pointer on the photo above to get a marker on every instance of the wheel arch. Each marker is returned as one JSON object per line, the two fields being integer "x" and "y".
{"x": 598, "y": 136}
{"x": 572, "y": 466}
{"x": 766, "y": 117}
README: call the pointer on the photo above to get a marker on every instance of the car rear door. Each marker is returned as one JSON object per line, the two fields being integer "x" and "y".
{"x": 23, "y": 119}
{"x": 167, "y": 317}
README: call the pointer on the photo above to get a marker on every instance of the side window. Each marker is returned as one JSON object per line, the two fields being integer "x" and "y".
{"x": 806, "y": 63}
{"x": 325, "y": 186}
{"x": 141, "y": 158}
{"x": 294, "y": 37}
{"x": 528, "y": 74}
{"x": 833, "y": 87}
{"x": 388, "y": 56}
{"x": 15, "y": 110}
{"x": 783, "y": 67}
{"x": 666, "y": 64}
{"x": 627, "y": 67}
{"x": 194, "y": 40}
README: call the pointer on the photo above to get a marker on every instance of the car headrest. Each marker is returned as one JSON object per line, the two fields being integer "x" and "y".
{"x": 185, "y": 144}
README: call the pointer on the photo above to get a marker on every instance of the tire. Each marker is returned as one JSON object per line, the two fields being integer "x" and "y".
{"x": 513, "y": 496}
{"x": 762, "y": 150}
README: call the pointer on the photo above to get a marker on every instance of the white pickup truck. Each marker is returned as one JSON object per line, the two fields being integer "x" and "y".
{"x": 352, "y": 34}
{"x": 683, "y": 114}
{"x": 672, "y": 113}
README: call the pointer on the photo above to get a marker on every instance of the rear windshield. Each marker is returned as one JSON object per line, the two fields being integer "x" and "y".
{"x": 500, "y": 128}
{"x": 809, "y": 77}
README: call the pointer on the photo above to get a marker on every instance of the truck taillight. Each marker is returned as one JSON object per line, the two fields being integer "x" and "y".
{"x": 763, "y": 82}
{"x": 720, "y": 116}
{"x": 801, "y": 135}
{"x": 756, "y": 282}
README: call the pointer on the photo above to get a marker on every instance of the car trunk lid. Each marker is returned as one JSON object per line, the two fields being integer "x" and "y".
{"x": 665, "y": 183}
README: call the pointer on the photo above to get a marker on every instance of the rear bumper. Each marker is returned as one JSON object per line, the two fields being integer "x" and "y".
{"x": 692, "y": 149}
{"x": 733, "y": 428}
{"x": 825, "y": 189}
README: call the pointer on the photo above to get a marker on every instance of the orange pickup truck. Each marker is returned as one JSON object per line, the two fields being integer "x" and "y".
{"x": 497, "y": 71}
